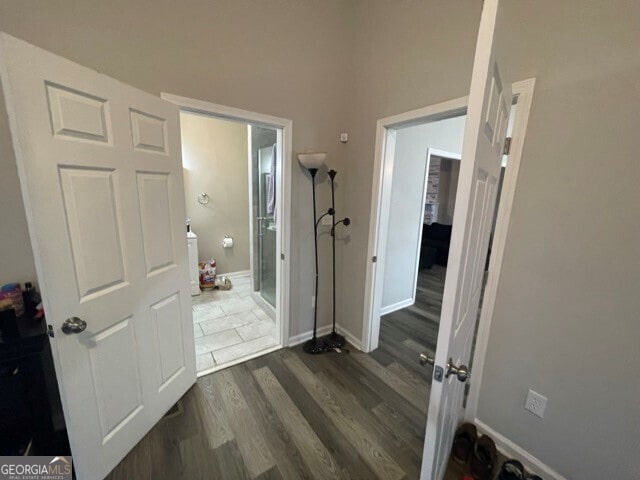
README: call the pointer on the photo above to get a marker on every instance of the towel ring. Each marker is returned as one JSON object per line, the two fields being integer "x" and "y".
{"x": 203, "y": 199}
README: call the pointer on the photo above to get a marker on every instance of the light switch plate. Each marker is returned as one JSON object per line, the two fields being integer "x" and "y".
{"x": 535, "y": 403}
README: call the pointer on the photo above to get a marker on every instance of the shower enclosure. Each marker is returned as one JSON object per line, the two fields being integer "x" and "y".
{"x": 263, "y": 166}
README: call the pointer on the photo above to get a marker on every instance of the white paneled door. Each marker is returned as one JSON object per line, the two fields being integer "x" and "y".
{"x": 101, "y": 177}
{"x": 487, "y": 117}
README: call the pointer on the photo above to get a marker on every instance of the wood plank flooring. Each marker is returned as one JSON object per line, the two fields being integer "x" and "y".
{"x": 289, "y": 415}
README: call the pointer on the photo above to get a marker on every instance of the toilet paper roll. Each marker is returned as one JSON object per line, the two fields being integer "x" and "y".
{"x": 227, "y": 242}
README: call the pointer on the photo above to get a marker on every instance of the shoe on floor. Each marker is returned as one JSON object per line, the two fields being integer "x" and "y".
{"x": 484, "y": 459}
{"x": 511, "y": 470}
{"x": 464, "y": 442}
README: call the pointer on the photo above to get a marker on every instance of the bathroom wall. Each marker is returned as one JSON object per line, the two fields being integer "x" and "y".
{"x": 405, "y": 221}
{"x": 215, "y": 160}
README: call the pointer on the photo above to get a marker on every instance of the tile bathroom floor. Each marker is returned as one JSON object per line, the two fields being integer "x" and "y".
{"x": 229, "y": 325}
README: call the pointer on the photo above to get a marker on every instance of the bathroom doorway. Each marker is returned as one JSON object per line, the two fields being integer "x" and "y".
{"x": 236, "y": 178}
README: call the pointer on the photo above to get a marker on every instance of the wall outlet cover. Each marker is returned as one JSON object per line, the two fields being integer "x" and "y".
{"x": 535, "y": 403}
{"x": 344, "y": 137}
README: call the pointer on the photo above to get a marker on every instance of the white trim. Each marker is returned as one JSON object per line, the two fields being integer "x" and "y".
{"x": 239, "y": 274}
{"x": 264, "y": 305}
{"x": 524, "y": 91}
{"x": 252, "y": 255}
{"x": 303, "y": 337}
{"x": 283, "y": 186}
{"x": 238, "y": 360}
{"x": 511, "y": 450}
{"x": 394, "y": 307}
{"x": 350, "y": 337}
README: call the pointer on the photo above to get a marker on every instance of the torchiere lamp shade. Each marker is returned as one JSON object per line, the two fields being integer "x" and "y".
{"x": 312, "y": 160}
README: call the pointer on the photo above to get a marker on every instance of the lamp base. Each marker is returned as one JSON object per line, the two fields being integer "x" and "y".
{"x": 334, "y": 340}
{"x": 314, "y": 346}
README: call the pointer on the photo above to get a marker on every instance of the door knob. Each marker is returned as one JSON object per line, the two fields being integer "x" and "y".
{"x": 426, "y": 359}
{"x": 73, "y": 325}
{"x": 462, "y": 372}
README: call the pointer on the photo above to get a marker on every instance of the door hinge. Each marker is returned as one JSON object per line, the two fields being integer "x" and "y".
{"x": 374, "y": 259}
{"x": 282, "y": 256}
{"x": 507, "y": 146}
{"x": 50, "y": 331}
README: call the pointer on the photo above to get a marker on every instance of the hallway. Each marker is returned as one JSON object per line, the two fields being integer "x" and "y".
{"x": 290, "y": 415}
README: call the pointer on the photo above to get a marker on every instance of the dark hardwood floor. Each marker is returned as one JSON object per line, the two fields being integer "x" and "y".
{"x": 290, "y": 415}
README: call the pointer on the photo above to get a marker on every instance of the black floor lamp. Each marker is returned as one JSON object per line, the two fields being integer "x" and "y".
{"x": 312, "y": 162}
{"x": 334, "y": 339}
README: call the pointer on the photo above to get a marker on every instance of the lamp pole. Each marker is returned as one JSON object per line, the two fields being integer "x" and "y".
{"x": 314, "y": 345}
{"x": 334, "y": 339}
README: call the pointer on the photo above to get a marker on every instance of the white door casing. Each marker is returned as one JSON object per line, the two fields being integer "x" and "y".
{"x": 101, "y": 177}
{"x": 490, "y": 100}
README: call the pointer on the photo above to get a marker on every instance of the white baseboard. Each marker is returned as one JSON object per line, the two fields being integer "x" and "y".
{"x": 511, "y": 450}
{"x": 241, "y": 273}
{"x": 397, "y": 306}
{"x": 303, "y": 337}
{"x": 350, "y": 337}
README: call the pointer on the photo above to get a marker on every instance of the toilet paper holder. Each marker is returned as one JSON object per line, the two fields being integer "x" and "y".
{"x": 227, "y": 242}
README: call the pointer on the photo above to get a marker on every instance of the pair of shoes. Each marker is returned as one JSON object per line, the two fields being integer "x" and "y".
{"x": 479, "y": 453}
{"x": 514, "y": 470}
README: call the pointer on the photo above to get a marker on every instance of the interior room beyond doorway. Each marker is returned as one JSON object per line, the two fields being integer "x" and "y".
{"x": 230, "y": 181}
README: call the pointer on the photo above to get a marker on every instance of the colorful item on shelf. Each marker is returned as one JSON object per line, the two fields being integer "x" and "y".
{"x": 11, "y": 298}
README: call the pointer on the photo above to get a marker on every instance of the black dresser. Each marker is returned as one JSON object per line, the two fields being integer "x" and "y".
{"x": 31, "y": 419}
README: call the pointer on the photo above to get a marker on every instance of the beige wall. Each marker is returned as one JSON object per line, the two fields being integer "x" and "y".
{"x": 285, "y": 58}
{"x": 568, "y": 303}
{"x": 16, "y": 256}
{"x": 392, "y": 78}
{"x": 215, "y": 160}
{"x": 566, "y": 317}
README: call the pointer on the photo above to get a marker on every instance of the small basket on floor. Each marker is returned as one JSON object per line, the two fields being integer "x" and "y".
{"x": 223, "y": 283}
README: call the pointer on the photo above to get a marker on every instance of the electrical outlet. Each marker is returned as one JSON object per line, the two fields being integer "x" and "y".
{"x": 327, "y": 220}
{"x": 344, "y": 137}
{"x": 535, "y": 403}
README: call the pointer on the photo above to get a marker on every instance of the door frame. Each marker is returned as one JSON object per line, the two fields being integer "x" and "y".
{"x": 379, "y": 218}
{"x": 283, "y": 267}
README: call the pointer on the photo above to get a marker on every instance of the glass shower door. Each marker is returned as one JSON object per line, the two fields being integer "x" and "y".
{"x": 266, "y": 230}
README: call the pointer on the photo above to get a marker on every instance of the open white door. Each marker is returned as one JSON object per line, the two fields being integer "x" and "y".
{"x": 101, "y": 177}
{"x": 487, "y": 118}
